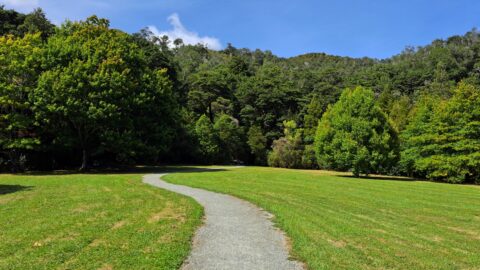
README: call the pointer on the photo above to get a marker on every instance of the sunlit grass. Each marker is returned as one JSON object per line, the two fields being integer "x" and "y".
{"x": 337, "y": 222}
{"x": 92, "y": 222}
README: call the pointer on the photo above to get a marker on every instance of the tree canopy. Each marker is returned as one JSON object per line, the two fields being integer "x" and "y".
{"x": 442, "y": 142}
{"x": 99, "y": 93}
{"x": 85, "y": 94}
{"x": 355, "y": 134}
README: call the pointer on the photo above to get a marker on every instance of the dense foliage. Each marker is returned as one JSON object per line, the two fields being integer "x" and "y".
{"x": 98, "y": 93}
{"x": 442, "y": 141}
{"x": 85, "y": 94}
{"x": 287, "y": 151}
{"x": 19, "y": 70}
{"x": 355, "y": 134}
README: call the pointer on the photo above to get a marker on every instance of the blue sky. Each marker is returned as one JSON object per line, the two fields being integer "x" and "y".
{"x": 374, "y": 28}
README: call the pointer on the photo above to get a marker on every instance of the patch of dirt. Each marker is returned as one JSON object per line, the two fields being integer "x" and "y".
{"x": 436, "y": 238}
{"x": 168, "y": 212}
{"x": 132, "y": 181}
{"x": 6, "y": 200}
{"x": 42, "y": 242}
{"x": 106, "y": 267}
{"x": 69, "y": 237}
{"x": 107, "y": 189}
{"x": 324, "y": 172}
{"x": 363, "y": 217}
{"x": 82, "y": 208}
{"x": 473, "y": 234}
{"x": 167, "y": 238}
{"x": 97, "y": 242}
{"x": 382, "y": 240}
{"x": 337, "y": 243}
{"x": 460, "y": 250}
{"x": 380, "y": 230}
{"x": 119, "y": 224}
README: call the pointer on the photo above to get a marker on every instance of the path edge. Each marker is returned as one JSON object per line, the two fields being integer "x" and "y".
{"x": 271, "y": 217}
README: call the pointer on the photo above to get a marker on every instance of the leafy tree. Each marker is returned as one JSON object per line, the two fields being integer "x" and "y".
{"x": 287, "y": 151}
{"x": 15, "y": 23}
{"x": 399, "y": 112}
{"x": 257, "y": 143}
{"x": 10, "y": 20}
{"x": 208, "y": 87}
{"x": 268, "y": 98}
{"x": 208, "y": 140}
{"x": 309, "y": 160}
{"x": 442, "y": 140}
{"x": 19, "y": 68}
{"x": 155, "y": 56}
{"x": 440, "y": 85}
{"x": 99, "y": 95}
{"x": 419, "y": 134}
{"x": 37, "y": 22}
{"x": 230, "y": 137}
{"x": 311, "y": 118}
{"x": 355, "y": 134}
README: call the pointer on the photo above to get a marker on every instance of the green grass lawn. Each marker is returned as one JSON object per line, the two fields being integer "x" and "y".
{"x": 92, "y": 222}
{"x": 346, "y": 223}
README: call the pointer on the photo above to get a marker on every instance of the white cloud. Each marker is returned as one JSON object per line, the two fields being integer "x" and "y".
{"x": 21, "y": 5}
{"x": 188, "y": 37}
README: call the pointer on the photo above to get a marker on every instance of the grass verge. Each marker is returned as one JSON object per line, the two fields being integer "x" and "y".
{"x": 337, "y": 222}
{"x": 94, "y": 221}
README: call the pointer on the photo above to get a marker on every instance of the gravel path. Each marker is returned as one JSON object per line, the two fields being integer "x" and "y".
{"x": 236, "y": 234}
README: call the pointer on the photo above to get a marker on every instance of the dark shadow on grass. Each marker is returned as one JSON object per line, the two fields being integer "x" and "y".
{"x": 6, "y": 189}
{"x": 386, "y": 178}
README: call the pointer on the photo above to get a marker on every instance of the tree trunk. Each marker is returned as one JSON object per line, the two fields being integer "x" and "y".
{"x": 84, "y": 166}
{"x": 210, "y": 113}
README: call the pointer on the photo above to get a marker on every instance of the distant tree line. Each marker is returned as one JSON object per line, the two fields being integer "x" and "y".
{"x": 85, "y": 95}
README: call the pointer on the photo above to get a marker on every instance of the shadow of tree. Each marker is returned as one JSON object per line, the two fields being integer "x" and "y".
{"x": 375, "y": 177}
{"x": 6, "y": 189}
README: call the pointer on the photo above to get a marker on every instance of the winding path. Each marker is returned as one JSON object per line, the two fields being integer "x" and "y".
{"x": 235, "y": 235}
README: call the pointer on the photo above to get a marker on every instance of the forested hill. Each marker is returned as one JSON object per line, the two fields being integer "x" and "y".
{"x": 83, "y": 93}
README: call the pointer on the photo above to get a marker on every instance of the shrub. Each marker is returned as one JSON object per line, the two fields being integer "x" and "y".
{"x": 287, "y": 151}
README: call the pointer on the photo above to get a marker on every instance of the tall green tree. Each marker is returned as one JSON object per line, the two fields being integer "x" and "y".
{"x": 19, "y": 69}
{"x": 268, "y": 98}
{"x": 441, "y": 142}
{"x": 208, "y": 140}
{"x": 209, "y": 87}
{"x": 10, "y": 20}
{"x": 15, "y": 23}
{"x": 100, "y": 96}
{"x": 230, "y": 137}
{"x": 37, "y": 22}
{"x": 311, "y": 118}
{"x": 257, "y": 143}
{"x": 420, "y": 134}
{"x": 355, "y": 134}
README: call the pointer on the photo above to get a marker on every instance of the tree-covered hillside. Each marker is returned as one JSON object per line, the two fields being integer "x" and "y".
{"x": 83, "y": 94}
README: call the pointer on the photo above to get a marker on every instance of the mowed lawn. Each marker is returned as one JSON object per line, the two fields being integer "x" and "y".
{"x": 93, "y": 222}
{"x": 338, "y": 222}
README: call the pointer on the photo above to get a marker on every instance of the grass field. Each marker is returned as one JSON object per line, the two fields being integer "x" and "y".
{"x": 108, "y": 221}
{"x": 346, "y": 223}
{"x": 92, "y": 222}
